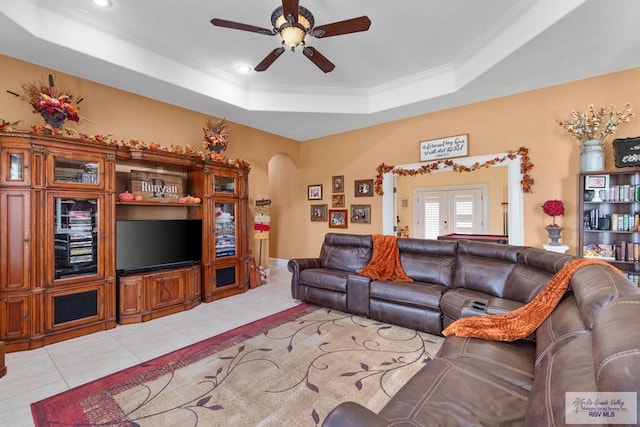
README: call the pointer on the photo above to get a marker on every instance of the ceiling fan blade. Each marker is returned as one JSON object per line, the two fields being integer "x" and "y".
{"x": 317, "y": 58}
{"x": 290, "y": 7}
{"x": 244, "y": 27}
{"x": 353, "y": 25}
{"x": 269, "y": 59}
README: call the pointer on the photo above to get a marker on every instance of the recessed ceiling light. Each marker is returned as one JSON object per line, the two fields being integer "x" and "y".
{"x": 102, "y": 3}
{"x": 243, "y": 69}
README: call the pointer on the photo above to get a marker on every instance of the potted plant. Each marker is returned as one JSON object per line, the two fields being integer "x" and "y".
{"x": 553, "y": 208}
{"x": 590, "y": 128}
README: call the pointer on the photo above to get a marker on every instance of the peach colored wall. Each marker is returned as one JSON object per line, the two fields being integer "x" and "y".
{"x": 124, "y": 115}
{"x": 494, "y": 126}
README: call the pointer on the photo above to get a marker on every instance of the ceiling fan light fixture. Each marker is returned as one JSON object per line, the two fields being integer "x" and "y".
{"x": 292, "y": 37}
{"x": 292, "y": 33}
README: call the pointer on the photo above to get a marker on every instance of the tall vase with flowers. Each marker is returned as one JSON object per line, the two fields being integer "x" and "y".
{"x": 590, "y": 128}
{"x": 216, "y": 135}
{"x": 553, "y": 208}
{"x": 55, "y": 106}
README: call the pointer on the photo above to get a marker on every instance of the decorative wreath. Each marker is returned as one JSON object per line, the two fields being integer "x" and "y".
{"x": 525, "y": 166}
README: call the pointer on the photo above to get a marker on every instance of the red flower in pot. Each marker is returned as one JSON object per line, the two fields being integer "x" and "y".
{"x": 553, "y": 208}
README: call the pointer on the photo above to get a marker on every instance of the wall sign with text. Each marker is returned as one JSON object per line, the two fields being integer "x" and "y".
{"x": 444, "y": 148}
{"x": 627, "y": 152}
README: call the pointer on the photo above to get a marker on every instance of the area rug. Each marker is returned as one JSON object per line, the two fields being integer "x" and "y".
{"x": 290, "y": 368}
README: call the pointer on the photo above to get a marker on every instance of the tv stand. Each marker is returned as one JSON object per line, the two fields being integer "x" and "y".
{"x": 149, "y": 295}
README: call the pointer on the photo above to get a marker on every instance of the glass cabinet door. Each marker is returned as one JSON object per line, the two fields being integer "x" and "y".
{"x": 65, "y": 171}
{"x": 14, "y": 167}
{"x": 225, "y": 229}
{"x": 225, "y": 184}
{"x": 75, "y": 229}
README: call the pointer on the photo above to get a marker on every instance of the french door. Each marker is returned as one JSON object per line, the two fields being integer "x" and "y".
{"x": 450, "y": 210}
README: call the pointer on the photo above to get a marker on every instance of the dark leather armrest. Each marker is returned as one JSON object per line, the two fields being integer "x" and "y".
{"x": 295, "y": 266}
{"x": 351, "y": 414}
{"x": 502, "y": 305}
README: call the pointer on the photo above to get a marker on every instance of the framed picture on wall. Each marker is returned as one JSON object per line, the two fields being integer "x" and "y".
{"x": 337, "y": 218}
{"x": 314, "y": 192}
{"x": 361, "y": 214}
{"x": 337, "y": 184}
{"x": 337, "y": 201}
{"x": 363, "y": 187}
{"x": 318, "y": 213}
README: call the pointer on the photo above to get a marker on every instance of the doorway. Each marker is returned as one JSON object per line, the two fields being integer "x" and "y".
{"x": 446, "y": 210}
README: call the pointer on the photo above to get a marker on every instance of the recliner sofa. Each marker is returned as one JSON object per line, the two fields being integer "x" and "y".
{"x": 590, "y": 343}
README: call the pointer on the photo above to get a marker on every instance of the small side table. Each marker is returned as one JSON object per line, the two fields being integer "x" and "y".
{"x": 559, "y": 248}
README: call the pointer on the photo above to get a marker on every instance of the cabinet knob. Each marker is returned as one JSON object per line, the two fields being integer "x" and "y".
{"x": 26, "y": 239}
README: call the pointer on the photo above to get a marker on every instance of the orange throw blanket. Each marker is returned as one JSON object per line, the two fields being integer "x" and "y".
{"x": 522, "y": 322}
{"x": 385, "y": 262}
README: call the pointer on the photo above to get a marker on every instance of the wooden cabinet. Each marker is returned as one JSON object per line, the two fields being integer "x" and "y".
{"x": 48, "y": 292}
{"x": 225, "y": 269}
{"x": 146, "y": 296}
{"x": 14, "y": 312}
{"x": 59, "y": 218}
{"x": 15, "y": 240}
{"x": 609, "y": 219}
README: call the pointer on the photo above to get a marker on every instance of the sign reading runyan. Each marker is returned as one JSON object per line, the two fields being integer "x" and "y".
{"x": 444, "y": 148}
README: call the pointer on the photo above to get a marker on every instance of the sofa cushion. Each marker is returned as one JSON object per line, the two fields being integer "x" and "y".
{"x": 347, "y": 252}
{"x": 571, "y": 368}
{"x": 616, "y": 340}
{"x": 484, "y": 267}
{"x": 430, "y": 261}
{"x": 596, "y": 287}
{"x": 562, "y": 325}
{"x": 512, "y": 362}
{"x": 324, "y": 278}
{"x": 417, "y": 294}
{"x": 470, "y": 382}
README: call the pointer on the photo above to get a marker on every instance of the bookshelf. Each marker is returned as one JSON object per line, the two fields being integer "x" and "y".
{"x": 609, "y": 219}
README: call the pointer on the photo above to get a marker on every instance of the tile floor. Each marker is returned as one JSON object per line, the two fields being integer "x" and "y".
{"x": 35, "y": 374}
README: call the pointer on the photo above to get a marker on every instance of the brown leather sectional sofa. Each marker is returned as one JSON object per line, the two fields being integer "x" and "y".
{"x": 589, "y": 344}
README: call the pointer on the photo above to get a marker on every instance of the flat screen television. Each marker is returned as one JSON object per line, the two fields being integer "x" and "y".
{"x": 145, "y": 245}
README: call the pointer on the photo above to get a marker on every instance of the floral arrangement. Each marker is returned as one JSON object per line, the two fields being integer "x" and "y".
{"x": 54, "y": 105}
{"x": 216, "y": 135}
{"x": 553, "y": 208}
{"x": 595, "y": 123}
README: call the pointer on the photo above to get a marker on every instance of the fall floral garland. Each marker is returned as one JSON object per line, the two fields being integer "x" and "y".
{"x": 133, "y": 143}
{"x": 525, "y": 166}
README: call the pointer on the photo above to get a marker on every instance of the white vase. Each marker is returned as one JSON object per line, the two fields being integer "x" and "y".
{"x": 591, "y": 156}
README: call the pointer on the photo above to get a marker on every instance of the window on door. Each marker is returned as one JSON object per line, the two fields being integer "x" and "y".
{"x": 450, "y": 210}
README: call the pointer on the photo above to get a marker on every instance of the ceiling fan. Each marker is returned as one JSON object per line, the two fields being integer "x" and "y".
{"x": 293, "y": 23}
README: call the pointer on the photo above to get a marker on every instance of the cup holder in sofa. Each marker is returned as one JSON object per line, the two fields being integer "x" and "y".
{"x": 474, "y": 308}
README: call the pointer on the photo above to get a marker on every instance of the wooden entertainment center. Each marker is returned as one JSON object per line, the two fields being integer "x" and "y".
{"x": 59, "y": 208}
